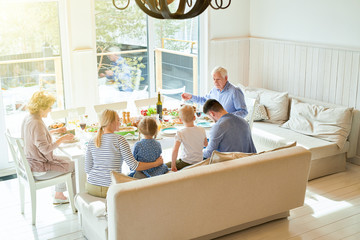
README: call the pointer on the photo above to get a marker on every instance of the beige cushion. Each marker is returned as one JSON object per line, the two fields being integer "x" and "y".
{"x": 330, "y": 124}
{"x": 120, "y": 178}
{"x": 217, "y": 157}
{"x": 202, "y": 163}
{"x": 259, "y": 113}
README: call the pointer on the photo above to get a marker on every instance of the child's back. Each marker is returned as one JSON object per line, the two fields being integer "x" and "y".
{"x": 192, "y": 144}
{"x": 148, "y": 150}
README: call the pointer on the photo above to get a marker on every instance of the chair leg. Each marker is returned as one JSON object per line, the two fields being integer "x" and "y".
{"x": 70, "y": 189}
{"x": 22, "y": 196}
{"x": 33, "y": 205}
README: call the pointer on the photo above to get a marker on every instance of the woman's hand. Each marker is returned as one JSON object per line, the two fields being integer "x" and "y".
{"x": 159, "y": 161}
{"x": 61, "y": 130}
{"x": 173, "y": 168}
{"x": 66, "y": 137}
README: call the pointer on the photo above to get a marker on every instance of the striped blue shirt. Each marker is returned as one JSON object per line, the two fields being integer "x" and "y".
{"x": 99, "y": 162}
{"x": 231, "y": 98}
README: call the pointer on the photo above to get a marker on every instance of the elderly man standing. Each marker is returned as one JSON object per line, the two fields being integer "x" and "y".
{"x": 230, "y": 133}
{"x": 229, "y": 96}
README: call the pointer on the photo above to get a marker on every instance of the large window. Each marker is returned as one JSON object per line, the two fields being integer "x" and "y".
{"x": 30, "y": 56}
{"x": 138, "y": 54}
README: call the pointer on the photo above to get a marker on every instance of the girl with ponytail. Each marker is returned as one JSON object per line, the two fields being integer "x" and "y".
{"x": 106, "y": 153}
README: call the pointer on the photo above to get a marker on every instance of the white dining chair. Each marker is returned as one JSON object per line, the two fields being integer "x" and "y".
{"x": 112, "y": 106}
{"x": 62, "y": 114}
{"x": 251, "y": 104}
{"x": 148, "y": 102}
{"x": 172, "y": 91}
{"x": 26, "y": 178}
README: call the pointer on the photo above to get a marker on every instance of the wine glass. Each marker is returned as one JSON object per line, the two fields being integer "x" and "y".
{"x": 198, "y": 115}
{"x": 83, "y": 121}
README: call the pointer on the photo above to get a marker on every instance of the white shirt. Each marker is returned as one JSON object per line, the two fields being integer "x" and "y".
{"x": 192, "y": 139}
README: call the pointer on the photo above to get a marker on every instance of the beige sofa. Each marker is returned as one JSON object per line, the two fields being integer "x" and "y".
{"x": 327, "y": 157}
{"x": 202, "y": 202}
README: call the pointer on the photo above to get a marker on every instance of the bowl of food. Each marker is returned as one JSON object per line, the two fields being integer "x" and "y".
{"x": 56, "y": 125}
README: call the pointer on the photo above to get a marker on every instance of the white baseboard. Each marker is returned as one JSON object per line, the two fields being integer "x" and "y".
{"x": 355, "y": 160}
{"x": 7, "y": 171}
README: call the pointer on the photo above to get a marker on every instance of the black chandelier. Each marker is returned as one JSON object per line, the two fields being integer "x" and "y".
{"x": 160, "y": 8}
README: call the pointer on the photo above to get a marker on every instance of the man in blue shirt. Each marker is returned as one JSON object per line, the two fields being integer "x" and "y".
{"x": 229, "y": 96}
{"x": 230, "y": 133}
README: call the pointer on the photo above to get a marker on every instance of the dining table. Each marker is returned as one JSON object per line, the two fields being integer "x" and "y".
{"x": 77, "y": 150}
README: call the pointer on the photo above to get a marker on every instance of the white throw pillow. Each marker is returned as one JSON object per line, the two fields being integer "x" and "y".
{"x": 276, "y": 103}
{"x": 331, "y": 124}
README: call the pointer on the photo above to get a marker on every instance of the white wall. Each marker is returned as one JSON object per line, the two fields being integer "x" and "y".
{"x": 231, "y": 22}
{"x": 334, "y": 22}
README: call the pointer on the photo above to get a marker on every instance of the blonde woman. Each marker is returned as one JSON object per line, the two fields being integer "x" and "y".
{"x": 39, "y": 145}
{"x": 106, "y": 153}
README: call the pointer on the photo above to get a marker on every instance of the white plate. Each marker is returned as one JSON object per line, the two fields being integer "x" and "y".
{"x": 169, "y": 131}
{"x": 205, "y": 124}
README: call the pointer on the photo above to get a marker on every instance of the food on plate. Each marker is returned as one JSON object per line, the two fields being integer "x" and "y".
{"x": 177, "y": 121}
{"x": 56, "y": 125}
{"x": 126, "y": 129}
{"x": 167, "y": 125}
{"x": 148, "y": 112}
{"x": 92, "y": 128}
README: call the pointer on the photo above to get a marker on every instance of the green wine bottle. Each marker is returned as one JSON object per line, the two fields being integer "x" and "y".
{"x": 159, "y": 107}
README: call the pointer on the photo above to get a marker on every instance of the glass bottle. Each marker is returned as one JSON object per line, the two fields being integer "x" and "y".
{"x": 159, "y": 107}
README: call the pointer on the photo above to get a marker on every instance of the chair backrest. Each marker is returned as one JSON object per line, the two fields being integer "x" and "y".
{"x": 60, "y": 114}
{"x": 113, "y": 106}
{"x": 140, "y": 103}
{"x": 251, "y": 104}
{"x": 172, "y": 91}
{"x": 16, "y": 146}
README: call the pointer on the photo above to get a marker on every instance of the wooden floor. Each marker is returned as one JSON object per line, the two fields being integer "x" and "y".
{"x": 331, "y": 211}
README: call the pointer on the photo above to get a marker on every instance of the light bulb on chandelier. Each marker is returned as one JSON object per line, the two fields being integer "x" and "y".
{"x": 186, "y": 8}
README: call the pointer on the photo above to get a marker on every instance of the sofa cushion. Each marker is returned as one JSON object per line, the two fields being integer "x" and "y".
{"x": 267, "y": 136}
{"x": 276, "y": 103}
{"x": 217, "y": 157}
{"x": 331, "y": 124}
{"x": 120, "y": 178}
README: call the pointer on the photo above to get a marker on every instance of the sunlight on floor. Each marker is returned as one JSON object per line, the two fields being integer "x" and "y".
{"x": 327, "y": 205}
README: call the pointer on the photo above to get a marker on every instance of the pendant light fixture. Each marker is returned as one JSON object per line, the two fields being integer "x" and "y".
{"x": 185, "y": 9}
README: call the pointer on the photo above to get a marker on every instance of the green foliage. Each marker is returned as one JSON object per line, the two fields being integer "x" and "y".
{"x": 27, "y": 27}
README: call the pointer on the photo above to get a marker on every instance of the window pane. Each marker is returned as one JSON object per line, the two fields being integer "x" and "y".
{"x": 176, "y": 54}
{"x": 30, "y": 57}
{"x": 121, "y": 38}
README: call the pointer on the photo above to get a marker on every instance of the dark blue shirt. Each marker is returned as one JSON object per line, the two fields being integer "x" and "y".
{"x": 230, "y": 134}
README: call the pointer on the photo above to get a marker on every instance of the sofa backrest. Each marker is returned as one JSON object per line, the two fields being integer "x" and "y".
{"x": 199, "y": 201}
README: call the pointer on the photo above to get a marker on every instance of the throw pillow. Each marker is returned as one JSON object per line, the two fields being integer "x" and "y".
{"x": 259, "y": 113}
{"x": 276, "y": 103}
{"x": 202, "y": 163}
{"x": 120, "y": 178}
{"x": 330, "y": 124}
{"x": 217, "y": 157}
